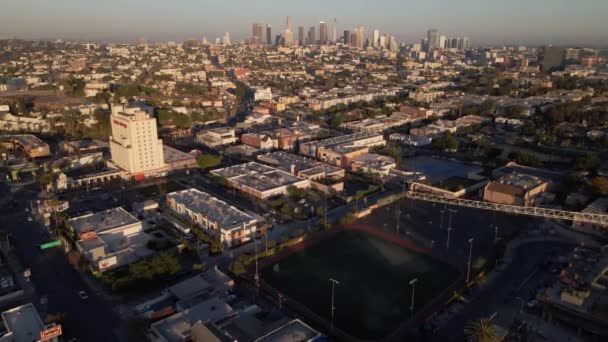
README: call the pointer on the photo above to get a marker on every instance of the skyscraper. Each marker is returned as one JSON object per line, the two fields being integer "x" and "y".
{"x": 268, "y": 35}
{"x": 301, "y": 35}
{"x": 442, "y": 42}
{"x": 323, "y": 38}
{"x": 311, "y": 36}
{"x": 335, "y": 37}
{"x": 466, "y": 44}
{"x": 256, "y": 36}
{"x": 376, "y": 41}
{"x": 552, "y": 57}
{"x": 432, "y": 37}
{"x": 360, "y": 36}
{"x": 347, "y": 37}
{"x": 226, "y": 40}
{"x": 288, "y": 33}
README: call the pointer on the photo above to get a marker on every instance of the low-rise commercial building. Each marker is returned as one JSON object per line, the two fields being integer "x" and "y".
{"x": 339, "y": 150}
{"x": 259, "y": 180}
{"x": 515, "y": 189}
{"x": 30, "y": 144}
{"x": 216, "y": 217}
{"x": 217, "y": 137}
{"x": 23, "y": 324}
{"x": 110, "y": 238}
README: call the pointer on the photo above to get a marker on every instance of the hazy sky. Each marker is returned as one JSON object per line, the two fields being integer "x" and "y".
{"x": 485, "y": 21}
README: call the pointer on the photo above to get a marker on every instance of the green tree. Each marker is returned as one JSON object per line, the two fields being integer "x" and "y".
{"x": 481, "y": 330}
{"x": 216, "y": 247}
{"x": 208, "y": 161}
{"x": 600, "y": 185}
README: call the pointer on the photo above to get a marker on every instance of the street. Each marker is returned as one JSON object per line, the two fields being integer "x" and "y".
{"x": 53, "y": 277}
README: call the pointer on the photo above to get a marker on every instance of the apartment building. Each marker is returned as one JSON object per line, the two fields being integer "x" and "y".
{"x": 214, "y": 216}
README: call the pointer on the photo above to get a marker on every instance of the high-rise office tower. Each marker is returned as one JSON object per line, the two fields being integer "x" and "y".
{"x": 392, "y": 45}
{"x": 424, "y": 43}
{"x": 311, "y": 36}
{"x": 134, "y": 143}
{"x": 226, "y": 41}
{"x": 268, "y": 35}
{"x": 335, "y": 36}
{"x": 442, "y": 42}
{"x": 376, "y": 41}
{"x": 432, "y": 38}
{"x": 288, "y": 26}
{"x": 347, "y": 37}
{"x": 323, "y": 38}
{"x": 466, "y": 44}
{"x": 552, "y": 57}
{"x": 288, "y": 35}
{"x": 301, "y": 35}
{"x": 382, "y": 42}
{"x": 256, "y": 36}
{"x": 360, "y": 36}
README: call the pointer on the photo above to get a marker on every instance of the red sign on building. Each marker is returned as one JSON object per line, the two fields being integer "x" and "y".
{"x": 51, "y": 332}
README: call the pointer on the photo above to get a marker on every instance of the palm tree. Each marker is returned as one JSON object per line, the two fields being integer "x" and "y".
{"x": 481, "y": 330}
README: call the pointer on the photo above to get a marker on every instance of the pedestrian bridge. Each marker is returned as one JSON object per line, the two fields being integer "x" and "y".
{"x": 600, "y": 219}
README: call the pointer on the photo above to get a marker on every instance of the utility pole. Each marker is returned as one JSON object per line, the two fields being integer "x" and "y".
{"x": 495, "y": 234}
{"x": 257, "y": 275}
{"x": 333, "y": 307}
{"x": 413, "y": 285}
{"x": 469, "y": 263}
{"x": 325, "y": 211}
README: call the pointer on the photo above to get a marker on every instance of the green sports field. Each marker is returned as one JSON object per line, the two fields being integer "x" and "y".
{"x": 374, "y": 295}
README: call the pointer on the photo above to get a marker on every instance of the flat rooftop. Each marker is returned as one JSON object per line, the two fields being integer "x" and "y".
{"x": 522, "y": 181}
{"x": 172, "y": 155}
{"x": 102, "y": 221}
{"x": 294, "y": 331}
{"x": 23, "y": 323}
{"x": 227, "y": 216}
{"x": 257, "y": 176}
{"x": 179, "y": 325}
{"x": 285, "y": 161}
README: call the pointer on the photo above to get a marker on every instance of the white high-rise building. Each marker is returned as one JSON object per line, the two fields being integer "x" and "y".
{"x": 335, "y": 36}
{"x": 442, "y": 41}
{"x": 226, "y": 41}
{"x": 376, "y": 40}
{"x": 134, "y": 142}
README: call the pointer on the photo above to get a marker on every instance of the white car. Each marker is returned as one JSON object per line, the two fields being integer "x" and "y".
{"x": 30, "y": 219}
{"x": 82, "y": 294}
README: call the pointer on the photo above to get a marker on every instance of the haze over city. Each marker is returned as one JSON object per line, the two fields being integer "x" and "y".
{"x": 486, "y": 22}
{"x": 303, "y": 171}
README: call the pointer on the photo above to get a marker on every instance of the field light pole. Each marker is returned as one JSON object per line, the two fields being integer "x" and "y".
{"x": 413, "y": 285}
{"x": 469, "y": 263}
{"x": 447, "y": 245}
{"x": 333, "y": 307}
{"x": 451, "y": 211}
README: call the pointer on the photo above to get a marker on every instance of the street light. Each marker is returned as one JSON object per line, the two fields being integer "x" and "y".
{"x": 495, "y": 234}
{"x": 469, "y": 263}
{"x": 333, "y": 307}
{"x": 413, "y": 285}
{"x": 441, "y": 222}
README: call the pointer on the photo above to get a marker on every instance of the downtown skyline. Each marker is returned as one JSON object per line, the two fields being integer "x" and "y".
{"x": 515, "y": 22}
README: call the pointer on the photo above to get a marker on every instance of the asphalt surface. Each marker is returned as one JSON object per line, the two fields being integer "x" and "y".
{"x": 53, "y": 277}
